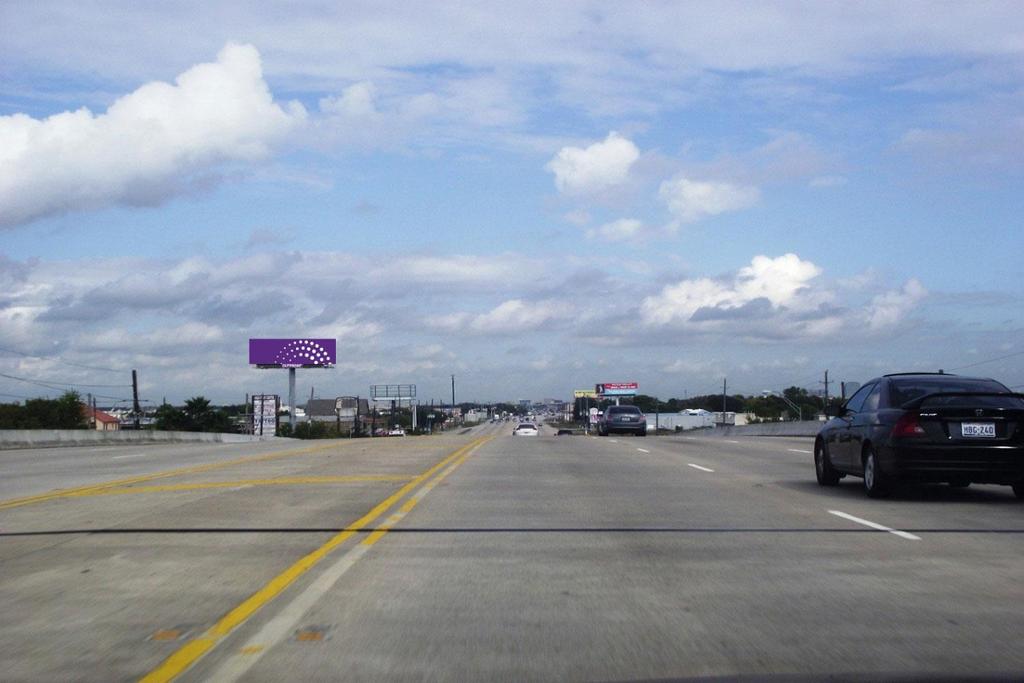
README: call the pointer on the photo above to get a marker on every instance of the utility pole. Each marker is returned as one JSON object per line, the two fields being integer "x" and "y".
{"x": 723, "y": 399}
{"x": 826, "y": 393}
{"x": 453, "y": 399}
{"x": 135, "y": 397}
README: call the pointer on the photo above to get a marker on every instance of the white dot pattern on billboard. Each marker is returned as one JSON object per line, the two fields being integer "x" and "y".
{"x": 303, "y": 351}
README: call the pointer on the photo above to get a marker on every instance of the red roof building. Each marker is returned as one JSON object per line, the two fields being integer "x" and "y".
{"x": 101, "y": 421}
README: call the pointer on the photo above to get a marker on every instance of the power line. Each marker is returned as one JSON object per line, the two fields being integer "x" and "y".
{"x": 42, "y": 382}
{"x": 59, "y": 360}
{"x": 61, "y": 386}
{"x": 990, "y": 360}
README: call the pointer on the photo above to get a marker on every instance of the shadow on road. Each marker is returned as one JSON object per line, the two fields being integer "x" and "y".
{"x": 851, "y": 488}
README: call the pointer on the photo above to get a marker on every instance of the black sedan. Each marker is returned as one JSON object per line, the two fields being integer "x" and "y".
{"x": 627, "y": 419}
{"x": 923, "y": 427}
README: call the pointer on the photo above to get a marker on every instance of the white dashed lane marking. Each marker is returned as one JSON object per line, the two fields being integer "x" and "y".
{"x": 700, "y": 467}
{"x": 643, "y": 450}
{"x": 875, "y": 525}
{"x": 797, "y": 450}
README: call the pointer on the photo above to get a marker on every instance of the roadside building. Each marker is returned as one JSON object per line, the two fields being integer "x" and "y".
{"x": 325, "y": 410}
{"x": 101, "y": 421}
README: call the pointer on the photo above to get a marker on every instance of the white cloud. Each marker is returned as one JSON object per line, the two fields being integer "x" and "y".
{"x": 598, "y": 167}
{"x": 776, "y": 298}
{"x": 578, "y": 217}
{"x": 355, "y": 101}
{"x": 784, "y": 281}
{"x": 516, "y": 315}
{"x": 156, "y": 142}
{"x": 198, "y": 335}
{"x": 889, "y": 309}
{"x": 618, "y": 231}
{"x": 513, "y": 316}
{"x": 692, "y": 200}
{"x": 780, "y": 280}
{"x": 424, "y": 113}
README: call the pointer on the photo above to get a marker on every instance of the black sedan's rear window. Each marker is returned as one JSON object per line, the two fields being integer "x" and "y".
{"x": 903, "y": 390}
{"x": 623, "y": 410}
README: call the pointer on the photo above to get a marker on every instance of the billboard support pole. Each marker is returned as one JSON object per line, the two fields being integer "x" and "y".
{"x": 291, "y": 399}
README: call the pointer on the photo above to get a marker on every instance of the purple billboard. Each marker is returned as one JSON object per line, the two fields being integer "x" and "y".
{"x": 292, "y": 353}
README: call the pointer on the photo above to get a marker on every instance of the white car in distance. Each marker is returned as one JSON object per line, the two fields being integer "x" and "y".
{"x": 525, "y": 429}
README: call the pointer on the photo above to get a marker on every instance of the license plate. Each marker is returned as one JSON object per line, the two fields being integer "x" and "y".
{"x": 975, "y": 429}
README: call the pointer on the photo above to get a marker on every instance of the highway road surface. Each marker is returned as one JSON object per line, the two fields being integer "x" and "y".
{"x": 482, "y": 556}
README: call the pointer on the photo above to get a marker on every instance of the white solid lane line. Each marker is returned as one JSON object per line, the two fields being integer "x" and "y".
{"x": 873, "y": 525}
{"x": 132, "y": 455}
{"x": 729, "y": 441}
{"x": 698, "y": 467}
{"x": 643, "y": 450}
{"x": 798, "y": 450}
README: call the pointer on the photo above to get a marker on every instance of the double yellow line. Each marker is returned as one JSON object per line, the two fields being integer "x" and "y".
{"x": 96, "y": 489}
{"x": 191, "y": 651}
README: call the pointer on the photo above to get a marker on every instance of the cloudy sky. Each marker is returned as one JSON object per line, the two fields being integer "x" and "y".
{"x": 534, "y": 197}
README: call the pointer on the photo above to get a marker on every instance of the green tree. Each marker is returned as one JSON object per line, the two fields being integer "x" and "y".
{"x": 198, "y": 413}
{"x": 66, "y": 412}
{"x": 169, "y": 418}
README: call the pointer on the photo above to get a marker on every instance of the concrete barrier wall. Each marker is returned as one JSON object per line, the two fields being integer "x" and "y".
{"x": 807, "y": 428}
{"x": 685, "y": 422}
{"x": 45, "y": 438}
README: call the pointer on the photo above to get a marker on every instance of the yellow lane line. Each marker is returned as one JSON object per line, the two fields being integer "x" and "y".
{"x": 236, "y": 665}
{"x": 189, "y": 653}
{"x": 85, "y": 490}
{"x": 281, "y": 481}
{"x": 409, "y": 504}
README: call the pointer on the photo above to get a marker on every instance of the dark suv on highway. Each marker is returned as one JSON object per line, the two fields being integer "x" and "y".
{"x": 626, "y": 419}
{"x": 925, "y": 428}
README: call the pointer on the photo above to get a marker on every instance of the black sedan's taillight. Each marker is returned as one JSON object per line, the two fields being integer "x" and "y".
{"x": 908, "y": 425}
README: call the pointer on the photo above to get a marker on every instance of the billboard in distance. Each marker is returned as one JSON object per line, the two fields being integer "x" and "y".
{"x": 617, "y": 388}
{"x": 584, "y": 393}
{"x": 264, "y": 414}
{"x": 292, "y": 353}
{"x": 392, "y": 392}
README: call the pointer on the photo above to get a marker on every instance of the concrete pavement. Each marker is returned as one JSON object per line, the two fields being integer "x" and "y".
{"x": 513, "y": 558}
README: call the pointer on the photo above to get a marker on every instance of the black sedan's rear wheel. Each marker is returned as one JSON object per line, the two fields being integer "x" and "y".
{"x": 823, "y": 470}
{"x": 875, "y": 482}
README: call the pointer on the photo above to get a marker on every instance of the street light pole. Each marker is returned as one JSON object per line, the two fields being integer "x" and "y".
{"x": 798, "y": 409}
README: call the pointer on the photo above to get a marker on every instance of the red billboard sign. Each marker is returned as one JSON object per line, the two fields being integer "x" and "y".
{"x": 617, "y": 388}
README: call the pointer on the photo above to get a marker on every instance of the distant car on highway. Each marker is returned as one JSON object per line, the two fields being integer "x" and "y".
{"x": 627, "y": 419}
{"x": 525, "y": 429}
{"x": 397, "y": 431}
{"x": 925, "y": 427}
